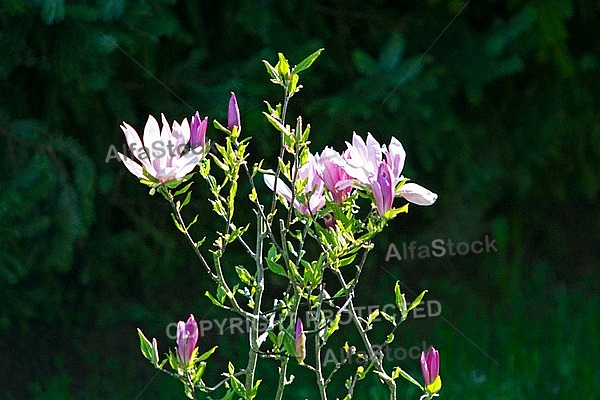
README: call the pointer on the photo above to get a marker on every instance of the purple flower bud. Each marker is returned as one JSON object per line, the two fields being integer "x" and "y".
{"x": 198, "y": 131}
{"x": 300, "y": 341}
{"x": 383, "y": 190}
{"x": 187, "y": 337}
{"x": 430, "y": 365}
{"x": 233, "y": 116}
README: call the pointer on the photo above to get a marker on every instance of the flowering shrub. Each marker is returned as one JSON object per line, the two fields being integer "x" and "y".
{"x": 336, "y": 201}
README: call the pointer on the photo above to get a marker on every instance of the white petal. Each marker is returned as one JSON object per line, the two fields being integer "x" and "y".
{"x": 132, "y": 166}
{"x": 151, "y": 134}
{"x": 417, "y": 194}
{"x": 186, "y": 163}
{"x": 135, "y": 145}
{"x": 373, "y": 150}
{"x": 282, "y": 188}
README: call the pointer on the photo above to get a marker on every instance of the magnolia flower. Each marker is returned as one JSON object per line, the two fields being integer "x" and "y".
{"x": 312, "y": 192}
{"x": 198, "y": 131}
{"x": 363, "y": 161}
{"x": 363, "y": 158}
{"x": 187, "y": 337}
{"x": 233, "y": 114}
{"x": 299, "y": 341}
{"x": 161, "y": 155}
{"x": 430, "y": 367}
{"x": 330, "y": 168}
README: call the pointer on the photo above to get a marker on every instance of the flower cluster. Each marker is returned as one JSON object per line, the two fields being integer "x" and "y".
{"x": 162, "y": 155}
{"x": 328, "y": 185}
{"x": 364, "y": 165}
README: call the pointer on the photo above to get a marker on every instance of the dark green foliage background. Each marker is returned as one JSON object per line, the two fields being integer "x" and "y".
{"x": 500, "y": 117}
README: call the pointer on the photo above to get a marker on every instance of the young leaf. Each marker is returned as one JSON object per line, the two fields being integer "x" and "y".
{"x": 244, "y": 275}
{"x": 276, "y": 268}
{"x": 400, "y": 372}
{"x": 183, "y": 190}
{"x": 373, "y": 316}
{"x": 145, "y": 345}
{"x": 307, "y": 62}
{"x": 333, "y": 326}
{"x": 204, "y": 356}
{"x": 212, "y": 299}
{"x": 400, "y": 300}
{"x": 272, "y": 72}
{"x": 417, "y": 300}
{"x": 187, "y": 199}
{"x": 283, "y": 67}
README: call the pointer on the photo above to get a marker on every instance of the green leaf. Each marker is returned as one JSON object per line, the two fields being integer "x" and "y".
{"x": 145, "y": 345}
{"x": 199, "y": 372}
{"x": 289, "y": 345}
{"x": 347, "y": 260}
{"x": 276, "y": 268}
{"x": 400, "y": 300}
{"x": 417, "y": 300}
{"x": 390, "y": 318}
{"x": 254, "y": 390}
{"x": 177, "y": 224}
{"x": 272, "y": 257}
{"x": 276, "y": 123}
{"x": 206, "y": 355}
{"x": 221, "y": 293}
{"x": 307, "y": 62}
{"x": 173, "y": 360}
{"x": 183, "y": 190}
{"x": 271, "y": 71}
{"x": 400, "y": 372}
{"x": 244, "y": 275}
{"x": 186, "y": 200}
{"x": 389, "y": 338}
{"x": 237, "y": 385}
{"x": 293, "y": 86}
{"x": 333, "y": 326}
{"x": 372, "y": 317}
{"x": 212, "y": 299}
{"x": 283, "y": 67}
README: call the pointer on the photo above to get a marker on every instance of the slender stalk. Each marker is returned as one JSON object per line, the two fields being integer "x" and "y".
{"x": 286, "y": 100}
{"x": 365, "y": 338}
{"x": 319, "y": 368}
{"x": 167, "y": 194}
{"x": 260, "y": 287}
{"x": 285, "y": 360}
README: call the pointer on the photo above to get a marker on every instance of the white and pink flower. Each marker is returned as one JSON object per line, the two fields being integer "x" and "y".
{"x": 161, "y": 156}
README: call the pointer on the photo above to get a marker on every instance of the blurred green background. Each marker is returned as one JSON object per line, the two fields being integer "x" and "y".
{"x": 499, "y": 114}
